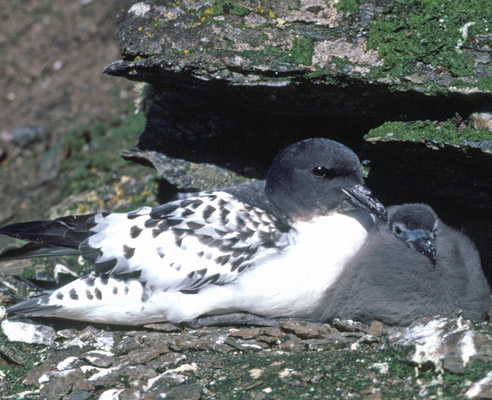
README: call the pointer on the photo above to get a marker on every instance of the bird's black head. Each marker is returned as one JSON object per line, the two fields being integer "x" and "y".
{"x": 316, "y": 177}
{"x": 416, "y": 225}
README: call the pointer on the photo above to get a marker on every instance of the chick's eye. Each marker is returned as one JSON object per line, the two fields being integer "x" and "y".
{"x": 397, "y": 230}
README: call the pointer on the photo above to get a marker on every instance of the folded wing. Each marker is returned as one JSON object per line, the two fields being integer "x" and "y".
{"x": 184, "y": 245}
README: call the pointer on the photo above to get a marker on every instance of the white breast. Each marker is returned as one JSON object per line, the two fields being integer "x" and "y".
{"x": 293, "y": 283}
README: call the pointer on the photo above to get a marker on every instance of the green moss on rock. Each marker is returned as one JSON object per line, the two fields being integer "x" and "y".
{"x": 28, "y": 356}
{"x": 433, "y": 32}
{"x": 221, "y": 7}
{"x": 301, "y": 53}
{"x": 348, "y": 7}
{"x": 427, "y": 131}
{"x": 302, "y": 50}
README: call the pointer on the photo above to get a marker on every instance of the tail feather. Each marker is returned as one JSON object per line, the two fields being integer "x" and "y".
{"x": 59, "y": 237}
{"x": 66, "y": 232}
{"x": 95, "y": 298}
{"x": 32, "y": 249}
{"x": 35, "y": 307}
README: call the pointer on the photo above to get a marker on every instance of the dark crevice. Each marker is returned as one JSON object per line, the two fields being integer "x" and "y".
{"x": 243, "y": 127}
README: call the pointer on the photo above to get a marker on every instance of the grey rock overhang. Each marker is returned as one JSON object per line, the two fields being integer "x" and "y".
{"x": 218, "y": 120}
{"x": 307, "y": 68}
{"x": 275, "y": 42}
{"x": 299, "y": 93}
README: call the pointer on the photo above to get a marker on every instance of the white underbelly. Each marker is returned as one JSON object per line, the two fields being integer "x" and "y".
{"x": 291, "y": 285}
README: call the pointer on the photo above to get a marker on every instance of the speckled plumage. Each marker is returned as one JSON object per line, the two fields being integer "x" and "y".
{"x": 213, "y": 230}
{"x": 269, "y": 248}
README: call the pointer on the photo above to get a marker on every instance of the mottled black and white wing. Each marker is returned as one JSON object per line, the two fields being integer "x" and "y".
{"x": 184, "y": 245}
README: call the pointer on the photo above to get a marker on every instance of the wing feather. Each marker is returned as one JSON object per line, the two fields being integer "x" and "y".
{"x": 185, "y": 245}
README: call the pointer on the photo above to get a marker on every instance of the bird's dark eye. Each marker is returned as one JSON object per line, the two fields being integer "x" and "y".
{"x": 397, "y": 230}
{"x": 322, "y": 172}
{"x": 319, "y": 172}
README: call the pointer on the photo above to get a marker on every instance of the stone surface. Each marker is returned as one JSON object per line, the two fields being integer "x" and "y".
{"x": 481, "y": 121}
{"x": 306, "y": 330}
{"x": 295, "y": 358}
{"x": 27, "y": 136}
{"x": 440, "y": 161}
{"x": 28, "y": 332}
{"x": 276, "y": 43}
{"x": 481, "y": 389}
{"x": 185, "y": 175}
{"x": 447, "y": 342}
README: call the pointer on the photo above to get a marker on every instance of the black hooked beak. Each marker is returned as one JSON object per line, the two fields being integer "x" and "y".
{"x": 360, "y": 196}
{"x": 424, "y": 242}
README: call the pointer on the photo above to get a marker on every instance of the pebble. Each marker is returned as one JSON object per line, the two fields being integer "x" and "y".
{"x": 27, "y": 136}
{"x": 481, "y": 121}
{"x": 18, "y": 331}
{"x": 376, "y": 329}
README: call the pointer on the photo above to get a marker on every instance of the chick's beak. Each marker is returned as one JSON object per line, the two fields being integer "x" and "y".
{"x": 424, "y": 243}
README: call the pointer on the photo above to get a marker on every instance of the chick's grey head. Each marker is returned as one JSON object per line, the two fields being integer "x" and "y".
{"x": 416, "y": 225}
{"x": 317, "y": 177}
